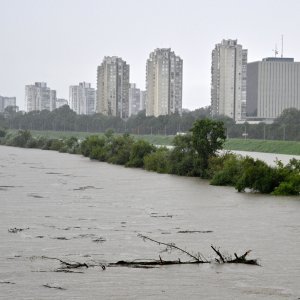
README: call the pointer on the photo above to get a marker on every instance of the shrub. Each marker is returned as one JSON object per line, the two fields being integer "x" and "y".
{"x": 226, "y": 170}
{"x": 139, "y": 150}
{"x": 158, "y": 161}
{"x": 119, "y": 149}
{"x": 257, "y": 176}
{"x": 20, "y": 139}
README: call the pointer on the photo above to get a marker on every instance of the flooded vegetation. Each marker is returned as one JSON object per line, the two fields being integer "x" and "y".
{"x": 94, "y": 215}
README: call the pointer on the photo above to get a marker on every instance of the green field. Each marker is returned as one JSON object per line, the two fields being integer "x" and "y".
{"x": 281, "y": 147}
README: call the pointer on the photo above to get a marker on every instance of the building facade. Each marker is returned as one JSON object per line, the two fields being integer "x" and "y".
{"x": 163, "y": 83}
{"x": 143, "y": 99}
{"x": 82, "y": 98}
{"x": 273, "y": 85}
{"x": 7, "y": 101}
{"x": 134, "y": 100}
{"x": 39, "y": 97}
{"x": 228, "y": 80}
{"x": 61, "y": 102}
{"x": 113, "y": 87}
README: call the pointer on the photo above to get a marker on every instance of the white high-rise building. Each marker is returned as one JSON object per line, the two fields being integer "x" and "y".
{"x": 61, "y": 102}
{"x": 7, "y": 101}
{"x": 273, "y": 85}
{"x": 82, "y": 98}
{"x": 134, "y": 99}
{"x": 113, "y": 87}
{"x": 39, "y": 97}
{"x": 143, "y": 99}
{"x": 228, "y": 80}
{"x": 163, "y": 83}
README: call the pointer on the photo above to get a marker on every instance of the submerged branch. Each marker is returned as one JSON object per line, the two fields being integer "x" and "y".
{"x": 173, "y": 246}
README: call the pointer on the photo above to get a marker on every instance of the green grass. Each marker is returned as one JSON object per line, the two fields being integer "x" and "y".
{"x": 281, "y": 147}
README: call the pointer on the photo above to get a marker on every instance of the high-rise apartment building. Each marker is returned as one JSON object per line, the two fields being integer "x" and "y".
{"x": 143, "y": 99}
{"x": 39, "y": 97}
{"x": 113, "y": 87}
{"x": 273, "y": 85}
{"x": 163, "y": 83}
{"x": 134, "y": 99}
{"x": 228, "y": 80}
{"x": 7, "y": 101}
{"x": 82, "y": 98}
{"x": 61, "y": 102}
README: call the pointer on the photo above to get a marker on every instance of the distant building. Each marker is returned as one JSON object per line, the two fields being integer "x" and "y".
{"x": 134, "y": 99}
{"x": 228, "y": 80}
{"x": 6, "y": 101}
{"x": 143, "y": 99}
{"x": 113, "y": 87}
{"x": 82, "y": 98}
{"x": 61, "y": 102}
{"x": 163, "y": 83}
{"x": 273, "y": 85}
{"x": 39, "y": 97}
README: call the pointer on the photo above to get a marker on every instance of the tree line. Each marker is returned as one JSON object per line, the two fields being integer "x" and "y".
{"x": 285, "y": 127}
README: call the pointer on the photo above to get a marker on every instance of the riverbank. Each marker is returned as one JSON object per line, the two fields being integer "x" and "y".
{"x": 267, "y": 146}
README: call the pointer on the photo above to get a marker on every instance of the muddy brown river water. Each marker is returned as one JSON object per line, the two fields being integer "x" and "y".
{"x": 80, "y": 210}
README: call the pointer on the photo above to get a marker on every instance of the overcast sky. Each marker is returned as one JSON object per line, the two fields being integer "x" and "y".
{"x": 62, "y": 42}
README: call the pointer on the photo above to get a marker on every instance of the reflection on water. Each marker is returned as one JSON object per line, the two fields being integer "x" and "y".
{"x": 79, "y": 210}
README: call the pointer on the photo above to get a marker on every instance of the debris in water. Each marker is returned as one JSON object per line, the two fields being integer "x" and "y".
{"x": 16, "y": 230}
{"x": 53, "y": 287}
{"x": 195, "y": 231}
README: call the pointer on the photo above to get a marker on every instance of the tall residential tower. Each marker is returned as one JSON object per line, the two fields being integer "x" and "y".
{"x": 163, "y": 83}
{"x": 113, "y": 87}
{"x": 228, "y": 80}
{"x": 82, "y": 98}
{"x": 39, "y": 97}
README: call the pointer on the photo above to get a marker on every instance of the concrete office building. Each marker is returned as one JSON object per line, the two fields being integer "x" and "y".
{"x": 273, "y": 85}
{"x": 113, "y": 87}
{"x": 7, "y": 101}
{"x": 134, "y": 99}
{"x": 163, "y": 83}
{"x": 228, "y": 80}
{"x": 39, "y": 97}
{"x": 82, "y": 98}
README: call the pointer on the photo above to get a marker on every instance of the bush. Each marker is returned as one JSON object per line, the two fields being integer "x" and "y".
{"x": 158, "y": 161}
{"x": 119, "y": 149}
{"x": 257, "y": 176}
{"x": 20, "y": 139}
{"x": 226, "y": 169}
{"x": 139, "y": 150}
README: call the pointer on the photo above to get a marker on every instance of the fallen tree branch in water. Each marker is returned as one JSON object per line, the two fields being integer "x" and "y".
{"x": 173, "y": 246}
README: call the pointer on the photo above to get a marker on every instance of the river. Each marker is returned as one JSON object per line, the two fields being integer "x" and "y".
{"x": 80, "y": 210}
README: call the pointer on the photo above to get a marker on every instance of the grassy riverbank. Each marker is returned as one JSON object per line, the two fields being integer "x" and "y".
{"x": 280, "y": 147}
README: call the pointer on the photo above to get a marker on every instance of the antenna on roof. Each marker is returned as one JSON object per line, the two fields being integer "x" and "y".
{"x": 282, "y": 46}
{"x": 275, "y": 50}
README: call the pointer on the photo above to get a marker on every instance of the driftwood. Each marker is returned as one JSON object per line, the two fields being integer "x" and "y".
{"x": 68, "y": 267}
{"x": 196, "y": 259}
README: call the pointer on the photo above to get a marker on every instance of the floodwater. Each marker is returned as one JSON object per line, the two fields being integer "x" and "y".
{"x": 80, "y": 210}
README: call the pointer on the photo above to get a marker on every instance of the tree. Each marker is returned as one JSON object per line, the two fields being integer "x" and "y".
{"x": 208, "y": 136}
